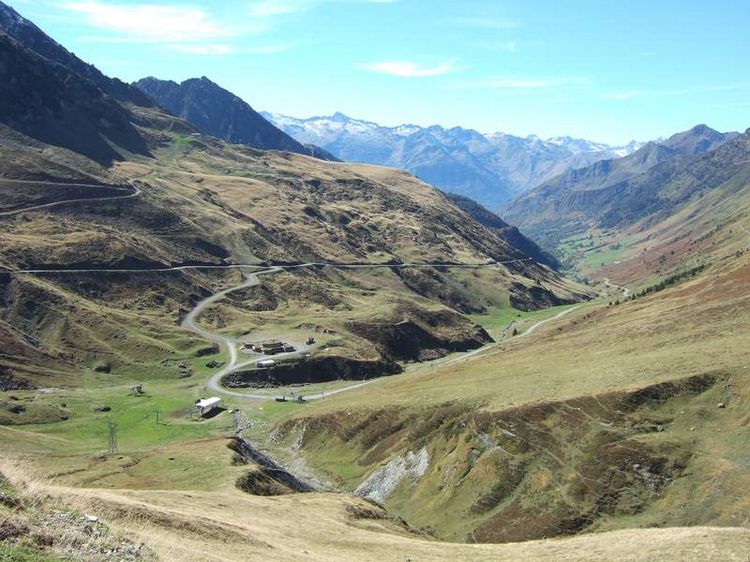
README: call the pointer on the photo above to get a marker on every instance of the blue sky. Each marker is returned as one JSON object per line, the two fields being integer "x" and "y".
{"x": 608, "y": 70}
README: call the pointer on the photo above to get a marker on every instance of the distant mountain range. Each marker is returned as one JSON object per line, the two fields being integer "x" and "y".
{"x": 613, "y": 192}
{"x": 220, "y": 113}
{"x": 490, "y": 169}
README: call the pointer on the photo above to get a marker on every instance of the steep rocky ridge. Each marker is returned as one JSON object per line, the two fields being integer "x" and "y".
{"x": 220, "y": 113}
{"x": 34, "y": 39}
{"x": 52, "y": 104}
{"x": 583, "y": 197}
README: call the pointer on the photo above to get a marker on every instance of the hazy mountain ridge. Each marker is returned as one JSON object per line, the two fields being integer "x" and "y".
{"x": 220, "y": 113}
{"x": 490, "y": 168}
{"x": 581, "y": 197}
{"x": 666, "y": 187}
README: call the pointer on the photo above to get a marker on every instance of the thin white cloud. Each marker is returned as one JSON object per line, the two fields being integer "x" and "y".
{"x": 186, "y": 29}
{"x": 222, "y": 49}
{"x": 627, "y": 95}
{"x": 272, "y": 8}
{"x": 408, "y": 69}
{"x": 623, "y": 96}
{"x": 209, "y": 49}
{"x": 151, "y": 23}
{"x": 268, "y": 49}
{"x": 499, "y": 46}
{"x": 488, "y": 22}
{"x": 518, "y": 84}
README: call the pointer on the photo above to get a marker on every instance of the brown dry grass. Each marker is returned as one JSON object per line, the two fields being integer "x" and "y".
{"x": 202, "y": 526}
{"x": 697, "y": 327}
{"x": 199, "y": 527}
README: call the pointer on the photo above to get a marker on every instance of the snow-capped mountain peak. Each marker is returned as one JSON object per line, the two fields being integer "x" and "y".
{"x": 490, "y": 168}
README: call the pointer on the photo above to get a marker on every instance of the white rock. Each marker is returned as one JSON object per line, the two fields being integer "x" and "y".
{"x": 381, "y": 483}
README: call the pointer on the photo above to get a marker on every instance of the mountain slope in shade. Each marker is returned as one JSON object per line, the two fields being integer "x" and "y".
{"x": 50, "y": 103}
{"x": 33, "y": 38}
{"x": 487, "y": 168}
{"x": 509, "y": 233}
{"x": 220, "y": 113}
{"x": 582, "y": 197}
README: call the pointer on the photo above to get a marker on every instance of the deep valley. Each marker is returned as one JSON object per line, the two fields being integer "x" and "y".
{"x": 225, "y": 340}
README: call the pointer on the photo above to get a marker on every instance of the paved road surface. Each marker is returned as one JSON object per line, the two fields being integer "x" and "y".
{"x": 234, "y": 363}
{"x": 530, "y": 330}
{"x": 625, "y": 290}
{"x": 533, "y": 327}
{"x": 129, "y": 194}
{"x": 251, "y": 279}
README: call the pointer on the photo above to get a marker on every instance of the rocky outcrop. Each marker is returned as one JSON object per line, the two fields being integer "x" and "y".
{"x": 271, "y": 479}
{"x": 414, "y": 334}
{"x": 409, "y": 341}
{"x": 381, "y": 483}
{"x": 312, "y": 370}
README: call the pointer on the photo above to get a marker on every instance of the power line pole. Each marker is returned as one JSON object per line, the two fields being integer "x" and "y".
{"x": 111, "y": 437}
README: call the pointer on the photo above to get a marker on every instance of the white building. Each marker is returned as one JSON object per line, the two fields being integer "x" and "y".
{"x": 266, "y": 363}
{"x": 205, "y": 405}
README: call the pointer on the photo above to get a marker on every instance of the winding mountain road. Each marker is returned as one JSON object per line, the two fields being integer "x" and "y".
{"x": 234, "y": 363}
{"x": 534, "y": 326}
{"x": 251, "y": 279}
{"x": 625, "y": 290}
{"x": 530, "y": 330}
{"x": 130, "y": 194}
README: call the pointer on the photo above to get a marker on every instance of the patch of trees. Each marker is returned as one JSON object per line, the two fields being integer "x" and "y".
{"x": 665, "y": 283}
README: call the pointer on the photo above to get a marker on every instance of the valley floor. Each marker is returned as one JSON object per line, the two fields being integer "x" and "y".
{"x": 173, "y": 481}
{"x": 622, "y": 420}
